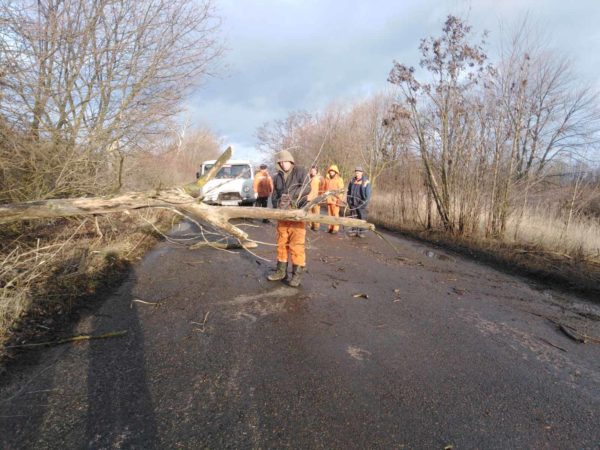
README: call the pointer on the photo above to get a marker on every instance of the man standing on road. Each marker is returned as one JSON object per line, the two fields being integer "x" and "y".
{"x": 263, "y": 187}
{"x": 316, "y": 189}
{"x": 358, "y": 196}
{"x": 291, "y": 189}
{"x": 334, "y": 182}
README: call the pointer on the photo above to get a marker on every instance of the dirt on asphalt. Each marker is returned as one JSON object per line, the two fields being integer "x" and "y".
{"x": 387, "y": 344}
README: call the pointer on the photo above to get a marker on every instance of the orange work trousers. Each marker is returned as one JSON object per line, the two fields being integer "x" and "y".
{"x": 315, "y": 210}
{"x": 291, "y": 237}
{"x": 333, "y": 210}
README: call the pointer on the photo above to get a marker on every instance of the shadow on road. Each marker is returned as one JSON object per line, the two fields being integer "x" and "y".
{"x": 88, "y": 395}
{"x": 120, "y": 412}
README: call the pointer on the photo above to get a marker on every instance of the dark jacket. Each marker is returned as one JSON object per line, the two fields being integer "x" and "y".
{"x": 359, "y": 192}
{"x": 297, "y": 186}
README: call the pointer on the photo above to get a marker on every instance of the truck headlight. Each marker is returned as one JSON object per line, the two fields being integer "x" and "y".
{"x": 246, "y": 188}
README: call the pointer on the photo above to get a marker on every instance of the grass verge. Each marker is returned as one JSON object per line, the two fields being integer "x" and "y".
{"x": 540, "y": 250}
{"x": 49, "y": 269}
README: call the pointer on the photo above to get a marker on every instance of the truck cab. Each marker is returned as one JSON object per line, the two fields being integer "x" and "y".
{"x": 231, "y": 186}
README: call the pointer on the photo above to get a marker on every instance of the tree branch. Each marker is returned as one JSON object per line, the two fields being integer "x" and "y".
{"x": 180, "y": 200}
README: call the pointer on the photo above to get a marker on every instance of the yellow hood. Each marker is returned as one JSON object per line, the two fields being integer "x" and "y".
{"x": 333, "y": 167}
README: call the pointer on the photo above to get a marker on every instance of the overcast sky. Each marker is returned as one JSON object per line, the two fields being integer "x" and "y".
{"x": 287, "y": 55}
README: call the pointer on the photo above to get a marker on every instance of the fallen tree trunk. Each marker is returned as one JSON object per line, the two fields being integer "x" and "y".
{"x": 48, "y": 209}
{"x": 180, "y": 200}
{"x": 217, "y": 216}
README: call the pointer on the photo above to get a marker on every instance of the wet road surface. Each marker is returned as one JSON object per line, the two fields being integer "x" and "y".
{"x": 442, "y": 352}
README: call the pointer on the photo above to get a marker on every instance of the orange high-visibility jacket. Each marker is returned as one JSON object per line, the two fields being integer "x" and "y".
{"x": 317, "y": 185}
{"x": 263, "y": 183}
{"x": 334, "y": 184}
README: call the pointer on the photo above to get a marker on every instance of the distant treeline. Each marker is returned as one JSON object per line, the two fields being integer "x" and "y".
{"x": 467, "y": 143}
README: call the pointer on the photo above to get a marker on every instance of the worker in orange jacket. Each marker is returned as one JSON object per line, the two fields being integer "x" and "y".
{"x": 333, "y": 182}
{"x": 317, "y": 184}
{"x": 291, "y": 189}
{"x": 263, "y": 187}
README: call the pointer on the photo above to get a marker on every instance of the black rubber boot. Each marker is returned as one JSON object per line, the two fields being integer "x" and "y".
{"x": 280, "y": 273}
{"x": 296, "y": 275}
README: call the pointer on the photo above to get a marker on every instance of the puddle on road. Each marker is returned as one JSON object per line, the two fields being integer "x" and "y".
{"x": 154, "y": 254}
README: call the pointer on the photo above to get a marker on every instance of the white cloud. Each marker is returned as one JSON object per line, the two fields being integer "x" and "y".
{"x": 243, "y": 151}
{"x": 291, "y": 55}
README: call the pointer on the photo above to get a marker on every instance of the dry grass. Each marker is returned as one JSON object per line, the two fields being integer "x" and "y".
{"x": 46, "y": 267}
{"x": 543, "y": 227}
{"x": 389, "y": 210}
{"x": 546, "y": 228}
{"x": 538, "y": 242}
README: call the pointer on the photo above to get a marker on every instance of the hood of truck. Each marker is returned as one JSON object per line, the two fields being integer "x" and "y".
{"x": 213, "y": 188}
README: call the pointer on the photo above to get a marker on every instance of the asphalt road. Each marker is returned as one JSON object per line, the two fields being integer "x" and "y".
{"x": 443, "y": 352}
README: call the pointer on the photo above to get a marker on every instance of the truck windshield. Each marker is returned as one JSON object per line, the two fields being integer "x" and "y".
{"x": 231, "y": 171}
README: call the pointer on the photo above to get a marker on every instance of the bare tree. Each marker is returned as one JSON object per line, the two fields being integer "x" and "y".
{"x": 550, "y": 117}
{"x": 173, "y": 160}
{"x": 439, "y": 111}
{"x": 88, "y": 81}
{"x": 377, "y": 137}
{"x": 282, "y": 133}
{"x": 347, "y": 135}
{"x": 561, "y": 117}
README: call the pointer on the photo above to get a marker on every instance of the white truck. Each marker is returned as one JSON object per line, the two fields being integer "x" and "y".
{"x": 232, "y": 185}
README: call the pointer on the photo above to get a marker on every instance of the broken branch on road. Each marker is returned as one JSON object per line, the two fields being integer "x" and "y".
{"x": 82, "y": 337}
{"x": 224, "y": 245}
{"x": 203, "y": 324}
{"x": 577, "y": 335}
{"x": 137, "y": 300}
{"x": 546, "y": 341}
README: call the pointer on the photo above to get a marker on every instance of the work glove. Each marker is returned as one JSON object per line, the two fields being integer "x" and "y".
{"x": 285, "y": 202}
